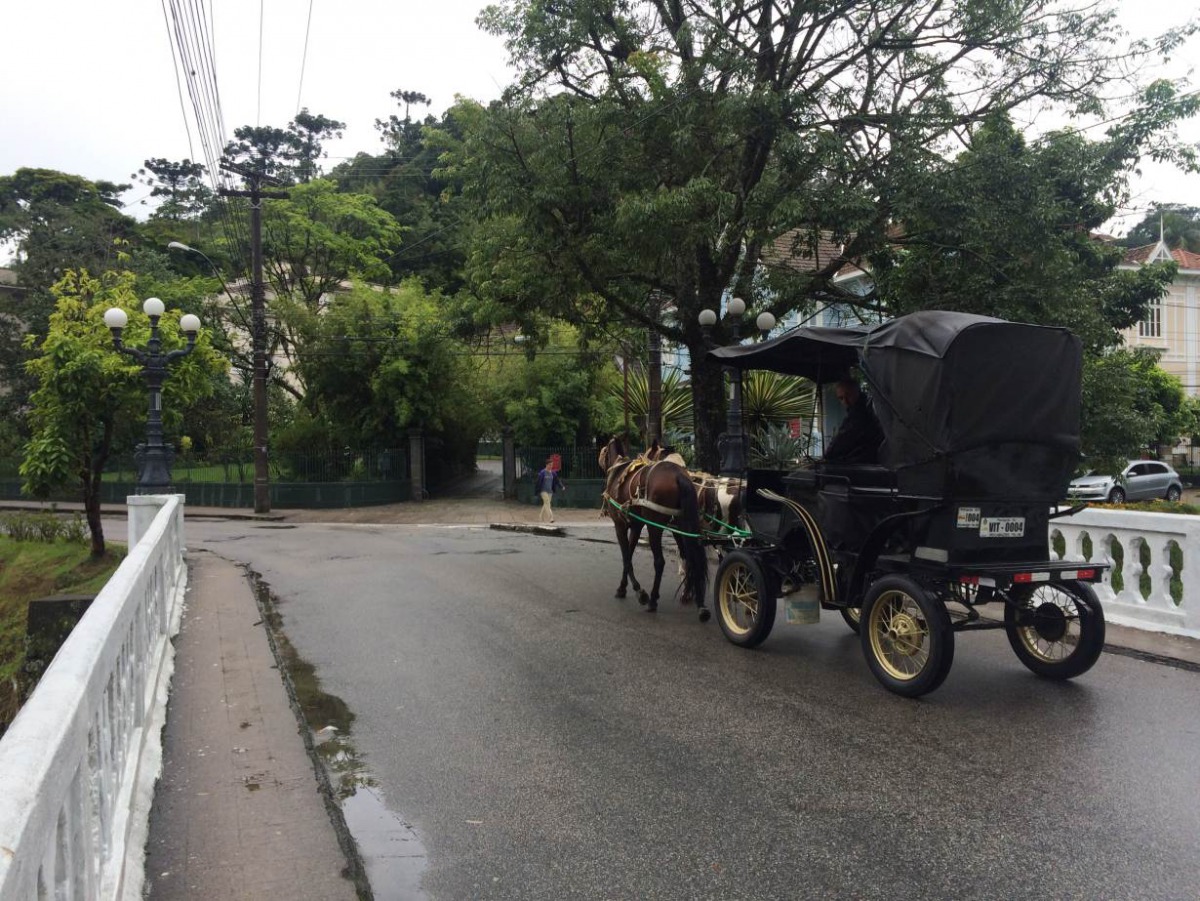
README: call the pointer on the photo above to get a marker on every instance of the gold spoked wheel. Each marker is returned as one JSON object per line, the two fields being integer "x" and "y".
{"x": 744, "y": 599}
{"x": 1056, "y": 630}
{"x": 899, "y": 635}
{"x": 906, "y": 636}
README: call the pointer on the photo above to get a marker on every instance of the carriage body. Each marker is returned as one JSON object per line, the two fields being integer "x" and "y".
{"x": 980, "y": 419}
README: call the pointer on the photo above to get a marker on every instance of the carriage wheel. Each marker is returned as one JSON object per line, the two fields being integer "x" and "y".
{"x": 853, "y": 617}
{"x": 1056, "y": 630}
{"x": 744, "y": 599}
{"x": 906, "y": 636}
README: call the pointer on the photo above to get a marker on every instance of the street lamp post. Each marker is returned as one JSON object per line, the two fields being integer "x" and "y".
{"x": 732, "y": 444}
{"x": 154, "y": 474}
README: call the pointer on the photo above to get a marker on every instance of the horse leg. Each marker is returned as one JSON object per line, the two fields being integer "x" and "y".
{"x": 659, "y": 564}
{"x": 635, "y": 535}
{"x": 626, "y": 553}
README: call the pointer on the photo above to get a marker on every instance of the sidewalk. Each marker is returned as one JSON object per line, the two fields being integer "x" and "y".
{"x": 239, "y": 812}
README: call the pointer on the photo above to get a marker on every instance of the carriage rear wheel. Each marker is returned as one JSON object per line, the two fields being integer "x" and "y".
{"x": 744, "y": 599}
{"x": 906, "y": 636}
{"x": 1056, "y": 630}
{"x": 853, "y": 617}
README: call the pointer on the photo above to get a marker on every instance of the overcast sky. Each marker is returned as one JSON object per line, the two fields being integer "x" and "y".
{"x": 89, "y": 87}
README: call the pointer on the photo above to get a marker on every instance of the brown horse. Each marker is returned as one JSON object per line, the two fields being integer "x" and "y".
{"x": 659, "y": 494}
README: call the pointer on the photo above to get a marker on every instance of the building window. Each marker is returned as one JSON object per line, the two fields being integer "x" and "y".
{"x": 1151, "y": 326}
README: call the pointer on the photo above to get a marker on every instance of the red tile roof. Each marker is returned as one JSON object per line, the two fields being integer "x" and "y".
{"x": 1185, "y": 258}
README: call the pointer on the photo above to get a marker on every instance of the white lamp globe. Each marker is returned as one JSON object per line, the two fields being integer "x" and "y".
{"x": 115, "y": 317}
{"x": 153, "y": 306}
{"x": 190, "y": 323}
{"x": 765, "y": 322}
{"x": 737, "y": 306}
{"x": 707, "y": 318}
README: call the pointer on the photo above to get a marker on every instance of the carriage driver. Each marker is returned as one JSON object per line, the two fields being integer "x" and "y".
{"x": 859, "y": 436}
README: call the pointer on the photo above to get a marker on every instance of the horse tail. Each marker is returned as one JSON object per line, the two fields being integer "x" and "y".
{"x": 695, "y": 560}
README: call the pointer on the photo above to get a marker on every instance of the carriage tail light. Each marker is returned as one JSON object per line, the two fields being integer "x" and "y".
{"x": 1026, "y": 578}
{"x": 1082, "y": 574}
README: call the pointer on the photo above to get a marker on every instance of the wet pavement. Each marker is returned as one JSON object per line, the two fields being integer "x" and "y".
{"x": 242, "y": 811}
{"x": 519, "y": 734}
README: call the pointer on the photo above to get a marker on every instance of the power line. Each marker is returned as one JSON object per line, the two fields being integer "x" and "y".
{"x": 178, "y": 83}
{"x": 304, "y": 56}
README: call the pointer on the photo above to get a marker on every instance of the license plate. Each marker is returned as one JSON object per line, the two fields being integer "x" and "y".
{"x": 1002, "y": 527}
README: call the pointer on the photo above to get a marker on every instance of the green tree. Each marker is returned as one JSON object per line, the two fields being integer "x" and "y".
{"x": 1129, "y": 406}
{"x": 57, "y": 222}
{"x": 553, "y": 394}
{"x": 313, "y": 243}
{"x": 1179, "y": 224}
{"x": 86, "y": 391}
{"x": 403, "y": 181}
{"x": 382, "y": 361}
{"x": 180, "y": 185}
{"x": 1005, "y": 230}
{"x": 652, "y": 150}
{"x": 289, "y": 154}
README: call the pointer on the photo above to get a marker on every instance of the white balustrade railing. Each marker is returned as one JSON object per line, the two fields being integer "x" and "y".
{"x": 79, "y": 762}
{"x": 1171, "y": 544}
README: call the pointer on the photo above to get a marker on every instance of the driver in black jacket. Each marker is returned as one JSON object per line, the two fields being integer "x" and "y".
{"x": 859, "y": 436}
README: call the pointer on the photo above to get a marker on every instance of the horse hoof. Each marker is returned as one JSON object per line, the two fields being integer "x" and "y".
{"x": 705, "y": 614}
{"x": 652, "y": 608}
{"x": 620, "y": 593}
{"x": 644, "y": 598}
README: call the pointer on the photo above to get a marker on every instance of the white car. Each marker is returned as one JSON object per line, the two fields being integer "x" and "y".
{"x": 1140, "y": 480}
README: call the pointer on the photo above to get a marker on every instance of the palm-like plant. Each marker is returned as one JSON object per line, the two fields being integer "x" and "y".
{"x": 775, "y": 447}
{"x": 769, "y": 398}
{"x": 676, "y": 398}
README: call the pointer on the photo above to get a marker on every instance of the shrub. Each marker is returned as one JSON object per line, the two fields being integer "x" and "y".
{"x": 46, "y": 527}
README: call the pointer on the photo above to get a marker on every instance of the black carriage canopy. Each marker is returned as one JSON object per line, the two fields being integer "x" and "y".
{"x": 951, "y": 385}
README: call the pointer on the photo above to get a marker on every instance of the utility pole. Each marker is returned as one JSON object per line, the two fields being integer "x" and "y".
{"x": 258, "y": 320}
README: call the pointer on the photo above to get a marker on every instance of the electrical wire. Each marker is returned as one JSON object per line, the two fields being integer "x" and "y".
{"x": 304, "y": 56}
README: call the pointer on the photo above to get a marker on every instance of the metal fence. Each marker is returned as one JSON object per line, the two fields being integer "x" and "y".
{"x": 237, "y": 467}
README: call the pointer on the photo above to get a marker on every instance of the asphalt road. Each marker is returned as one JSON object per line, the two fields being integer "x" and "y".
{"x": 545, "y": 741}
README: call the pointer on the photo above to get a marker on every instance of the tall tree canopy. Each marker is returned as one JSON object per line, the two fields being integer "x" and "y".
{"x": 651, "y": 150}
{"x": 1178, "y": 225}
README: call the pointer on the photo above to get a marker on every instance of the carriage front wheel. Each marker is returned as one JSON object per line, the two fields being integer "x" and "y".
{"x": 744, "y": 599}
{"x": 906, "y": 636}
{"x": 1057, "y": 630}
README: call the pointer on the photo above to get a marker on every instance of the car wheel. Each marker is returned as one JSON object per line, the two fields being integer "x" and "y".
{"x": 1174, "y": 493}
{"x": 744, "y": 599}
{"x": 906, "y": 636}
{"x": 1057, "y": 631}
{"x": 1116, "y": 496}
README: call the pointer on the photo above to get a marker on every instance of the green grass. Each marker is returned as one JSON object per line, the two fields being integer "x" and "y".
{"x": 34, "y": 569}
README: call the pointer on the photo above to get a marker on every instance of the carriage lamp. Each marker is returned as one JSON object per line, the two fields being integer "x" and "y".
{"x": 154, "y": 458}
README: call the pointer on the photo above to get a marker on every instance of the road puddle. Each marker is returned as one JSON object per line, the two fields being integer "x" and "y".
{"x": 385, "y": 854}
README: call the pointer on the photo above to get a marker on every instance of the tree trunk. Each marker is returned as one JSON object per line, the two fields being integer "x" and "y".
{"x": 91, "y": 507}
{"x": 708, "y": 405}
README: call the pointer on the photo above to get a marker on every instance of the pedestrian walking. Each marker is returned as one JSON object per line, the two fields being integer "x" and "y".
{"x": 544, "y": 486}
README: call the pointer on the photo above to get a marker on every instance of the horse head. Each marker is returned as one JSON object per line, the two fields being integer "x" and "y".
{"x": 610, "y": 454}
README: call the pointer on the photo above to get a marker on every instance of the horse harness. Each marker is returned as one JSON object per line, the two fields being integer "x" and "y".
{"x": 632, "y": 477}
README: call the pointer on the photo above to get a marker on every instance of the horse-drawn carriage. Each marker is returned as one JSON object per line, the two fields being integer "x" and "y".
{"x": 980, "y": 419}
